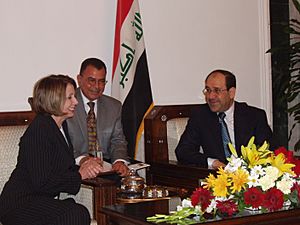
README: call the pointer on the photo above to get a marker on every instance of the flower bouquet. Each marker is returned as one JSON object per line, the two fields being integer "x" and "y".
{"x": 258, "y": 180}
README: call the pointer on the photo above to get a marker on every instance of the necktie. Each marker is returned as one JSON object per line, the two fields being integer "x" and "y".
{"x": 225, "y": 133}
{"x": 92, "y": 129}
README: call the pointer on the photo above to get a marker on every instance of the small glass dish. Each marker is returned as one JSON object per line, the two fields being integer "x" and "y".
{"x": 155, "y": 191}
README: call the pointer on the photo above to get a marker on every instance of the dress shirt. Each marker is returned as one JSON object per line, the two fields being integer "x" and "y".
{"x": 87, "y": 109}
{"x": 63, "y": 133}
{"x": 230, "y": 125}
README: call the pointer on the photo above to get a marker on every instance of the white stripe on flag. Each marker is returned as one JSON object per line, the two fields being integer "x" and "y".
{"x": 131, "y": 48}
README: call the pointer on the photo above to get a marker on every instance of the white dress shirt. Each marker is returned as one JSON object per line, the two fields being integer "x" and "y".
{"x": 229, "y": 120}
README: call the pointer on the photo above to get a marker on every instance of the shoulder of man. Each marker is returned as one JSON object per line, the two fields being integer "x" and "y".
{"x": 243, "y": 106}
{"x": 105, "y": 99}
{"x": 201, "y": 109}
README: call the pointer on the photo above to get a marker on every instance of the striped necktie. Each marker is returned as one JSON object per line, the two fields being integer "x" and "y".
{"x": 225, "y": 133}
{"x": 91, "y": 127}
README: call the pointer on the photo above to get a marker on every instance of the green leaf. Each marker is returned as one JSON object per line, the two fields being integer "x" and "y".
{"x": 297, "y": 5}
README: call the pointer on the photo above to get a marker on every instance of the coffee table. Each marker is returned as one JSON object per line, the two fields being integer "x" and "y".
{"x": 136, "y": 214}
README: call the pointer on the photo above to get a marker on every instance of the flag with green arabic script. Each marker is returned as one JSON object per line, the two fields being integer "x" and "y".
{"x": 130, "y": 78}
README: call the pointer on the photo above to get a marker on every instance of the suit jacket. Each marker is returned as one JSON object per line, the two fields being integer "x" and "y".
{"x": 109, "y": 128}
{"x": 45, "y": 167}
{"x": 203, "y": 131}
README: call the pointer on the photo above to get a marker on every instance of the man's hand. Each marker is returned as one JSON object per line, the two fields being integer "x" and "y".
{"x": 120, "y": 168}
{"x": 216, "y": 164}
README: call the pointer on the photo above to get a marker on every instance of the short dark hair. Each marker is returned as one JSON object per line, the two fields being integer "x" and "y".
{"x": 49, "y": 94}
{"x": 229, "y": 77}
{"x": 97, "y": 63}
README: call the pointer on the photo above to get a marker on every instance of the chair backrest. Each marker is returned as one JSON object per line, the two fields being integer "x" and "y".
{"x": 12, "y": 127}
{"x": 175, "y": 128}
{"x": 163, "y": 127}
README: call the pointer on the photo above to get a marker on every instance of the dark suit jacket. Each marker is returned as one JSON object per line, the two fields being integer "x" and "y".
{"x": 109, "y": 128}
{"x": 203, "y": 130}
{"x": 45, "y": 167}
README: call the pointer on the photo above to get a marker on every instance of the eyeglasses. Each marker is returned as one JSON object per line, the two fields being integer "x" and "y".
{"x": 93, "y": 81}
{"x": 215, "y": 90}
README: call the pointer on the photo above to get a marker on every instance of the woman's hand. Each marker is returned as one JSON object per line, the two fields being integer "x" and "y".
{"x": 90, "y": 167}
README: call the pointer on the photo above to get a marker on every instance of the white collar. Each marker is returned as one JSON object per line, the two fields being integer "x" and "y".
{"x": 229, "y": 113}
{"x": 86, "y": 100}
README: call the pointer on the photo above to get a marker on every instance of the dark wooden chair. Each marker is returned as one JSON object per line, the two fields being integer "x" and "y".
{"x": 160, "y": 145}
{"x": 94, "y": 193}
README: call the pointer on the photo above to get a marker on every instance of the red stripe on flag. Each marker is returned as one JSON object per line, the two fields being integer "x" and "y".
{"x": 123, "y": 8}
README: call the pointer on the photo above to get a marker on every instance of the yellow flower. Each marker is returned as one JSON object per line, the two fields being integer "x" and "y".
{"x": 279, "y": 162}
{"x": 209, "y": 181}
{"x": 254, "y": 156}
{"x": 232, "y": 149}
{"x": 239, "y": 180}
{"x": 221, "y": 183}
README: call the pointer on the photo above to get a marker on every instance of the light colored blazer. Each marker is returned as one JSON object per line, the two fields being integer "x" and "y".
{"x": 109, "y": 128}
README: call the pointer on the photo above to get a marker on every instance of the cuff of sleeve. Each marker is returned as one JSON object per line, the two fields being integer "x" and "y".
{"x": 210, "y": 162}
{"x": 121, "y": 160}
{"x": 77, "y": 160}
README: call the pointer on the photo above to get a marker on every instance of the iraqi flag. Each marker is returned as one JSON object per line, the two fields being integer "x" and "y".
{"x": 130, "y": 78}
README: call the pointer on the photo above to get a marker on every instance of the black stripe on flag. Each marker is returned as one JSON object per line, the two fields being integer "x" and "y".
{"x": 136, "y": 103}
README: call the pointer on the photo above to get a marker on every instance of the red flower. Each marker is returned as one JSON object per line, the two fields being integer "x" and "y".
{"x": 201, "y": 197}
{"x": 296, "y": 187}
{"x": 227, "y": 208}
{"x": 288, "y": 154}
{"x": 254, "y": 197}
{"x": 296, "y": 169}
{"x": 273, "y": 199}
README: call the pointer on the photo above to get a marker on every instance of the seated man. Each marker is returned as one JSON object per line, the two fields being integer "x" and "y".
{"x": 97, "y": 120}
{"x": 221, "y": 120}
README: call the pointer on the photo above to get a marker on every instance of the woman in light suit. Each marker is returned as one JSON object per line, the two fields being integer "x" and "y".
{"x": 46, "y": 164}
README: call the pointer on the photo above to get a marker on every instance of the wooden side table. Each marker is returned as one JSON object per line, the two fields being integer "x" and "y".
{"x": 105, "y": 192}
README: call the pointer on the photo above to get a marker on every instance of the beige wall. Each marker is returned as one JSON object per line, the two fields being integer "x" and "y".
{"x": 185, "y": 40}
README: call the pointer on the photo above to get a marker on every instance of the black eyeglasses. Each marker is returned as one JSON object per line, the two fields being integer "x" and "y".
{"x": 215, "y": 90}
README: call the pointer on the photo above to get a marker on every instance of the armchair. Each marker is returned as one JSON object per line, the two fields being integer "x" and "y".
{"x": 94, "y": 193}
{"x": 163, "y": 127}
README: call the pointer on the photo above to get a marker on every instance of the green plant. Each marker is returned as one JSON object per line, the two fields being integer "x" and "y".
{"x": 287, "y": 74}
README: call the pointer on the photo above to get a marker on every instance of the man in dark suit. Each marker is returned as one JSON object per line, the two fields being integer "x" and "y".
{"x": 110, "y": 137}
{"x": 202, "y": 141}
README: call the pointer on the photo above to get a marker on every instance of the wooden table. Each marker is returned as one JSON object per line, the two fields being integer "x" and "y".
{"x": 104, "y": 193}
{"x": 136, "y": 214}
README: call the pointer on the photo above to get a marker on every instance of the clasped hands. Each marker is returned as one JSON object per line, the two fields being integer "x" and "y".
{"x": 90, "y": 167}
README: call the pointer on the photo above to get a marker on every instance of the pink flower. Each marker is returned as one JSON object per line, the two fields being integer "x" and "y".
{"x": 254, "y": 197}
{"x": 273, "y": 199}
{"x": 201, "y": 197}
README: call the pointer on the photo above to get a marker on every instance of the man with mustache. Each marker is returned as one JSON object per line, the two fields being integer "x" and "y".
{"x": 202, "y": 141}
{"x": 109, "y": 132}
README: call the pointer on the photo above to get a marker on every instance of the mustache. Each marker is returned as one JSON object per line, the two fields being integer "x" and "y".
{"x": 95, "y": 90}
